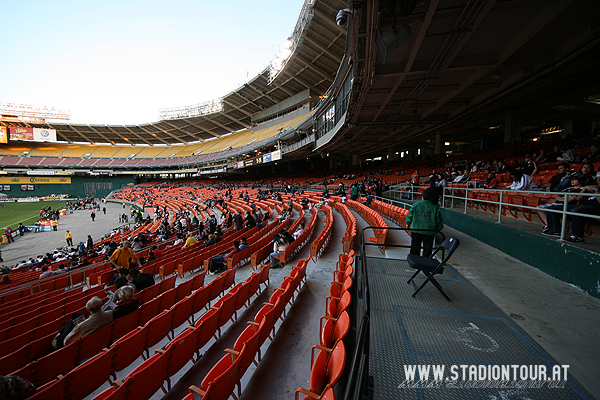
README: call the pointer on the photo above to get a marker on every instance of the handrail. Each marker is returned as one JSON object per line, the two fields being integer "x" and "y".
{"x": 359, "y": 362}
{"x": 358, "y": 376}
{"x": 449, "y": 194}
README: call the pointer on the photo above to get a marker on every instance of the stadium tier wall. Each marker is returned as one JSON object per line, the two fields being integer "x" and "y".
{"x": 79, "y": 187}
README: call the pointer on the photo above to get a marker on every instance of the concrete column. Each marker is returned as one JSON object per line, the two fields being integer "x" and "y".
{"x": 512, "y": 128}
{"x": 438, "y": 149}
{"x": 355, "y": 160}
{"x": 568, "y": 125}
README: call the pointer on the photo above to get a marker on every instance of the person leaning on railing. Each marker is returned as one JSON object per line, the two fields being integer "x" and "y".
{"x": 552, "y": 221}
{"x": 589, "y": 206}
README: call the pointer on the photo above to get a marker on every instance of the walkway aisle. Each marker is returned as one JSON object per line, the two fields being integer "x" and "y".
{"x": 79, "y": 223}
{"x": 286, "y": 365}
{"x": 524, "y": 315}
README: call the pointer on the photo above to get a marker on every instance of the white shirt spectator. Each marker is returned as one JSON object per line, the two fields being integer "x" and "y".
{"x": 526, "y": 183}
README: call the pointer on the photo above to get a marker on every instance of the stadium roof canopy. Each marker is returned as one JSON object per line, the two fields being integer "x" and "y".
{"x": 320, "y": 48}
{"x": 465, "y": 68}
{"x": 461, "y": 68}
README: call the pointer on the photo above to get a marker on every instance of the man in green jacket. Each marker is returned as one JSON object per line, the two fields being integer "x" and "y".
{"x": 424, "y": 219}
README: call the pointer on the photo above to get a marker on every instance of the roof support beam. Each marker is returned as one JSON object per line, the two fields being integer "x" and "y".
{"x": 414, "y": 50}
{"x": 543, "y": 18}
{"x": 100, "y": 134}
{"x": 172, "y": 134}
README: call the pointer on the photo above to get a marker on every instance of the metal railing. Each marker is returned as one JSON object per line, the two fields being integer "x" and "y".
{"x": 462, "y": 194}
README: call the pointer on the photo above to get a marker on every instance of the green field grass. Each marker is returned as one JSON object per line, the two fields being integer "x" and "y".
{"x": 26, "y": 213}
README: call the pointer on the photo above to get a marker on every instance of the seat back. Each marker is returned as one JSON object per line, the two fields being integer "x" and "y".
{"x": 208, "y": 325}
{"x": 221, "y": 379}
{"x": 158, "y": 328}
{"x": 200, "y": 297}
{"x": 129, "y": 348}
{"x": 449, "y": 245}
{"x": 90, "y": 375}
{"x": 182, "y": 311}
{"x": 148, "y": 377}
{"x": 182, "y": 349}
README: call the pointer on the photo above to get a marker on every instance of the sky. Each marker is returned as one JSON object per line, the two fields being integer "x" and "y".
{"x": 119, "y": 62}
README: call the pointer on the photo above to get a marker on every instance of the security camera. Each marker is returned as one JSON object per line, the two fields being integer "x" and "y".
{"x": 342, "y": 17}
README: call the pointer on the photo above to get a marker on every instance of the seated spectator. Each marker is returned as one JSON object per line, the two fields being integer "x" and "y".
{"x": 211, "y": 240}
{"x": 541, "y": 157}
{"x": 561, "y": 170}
{"x": 98, "y": 319}
{"x": 299, "y": 231}
{"x": 552, "y": 221}
{"x": 568, "y": 155}
{"x": 521, "y": 181}
{"x": 243, "y": 243}
{"x": 491, "y": 182}
{"x": 501, "y": 167}
{"x": 141, "y": 280}
{"x": 217, "y": 263}
{"x": 15, "y": 388}
{"x": 463, "y": 177}
{"x": 61, "y": 269}
{"x": 279, "y": 244}
{"x": 586, "y": 170}
{"x": 136, "y": 245}
{"x": 587, "y": 205}
{"x": 191, "y": 240}
{"x": 5, "y": 280}
{"x": 593, "y": 155}
{"x": 157, "y": 252}
{"x": 529, "y": 166}
{"x": 126, "y": 303}
{"x": 179, "y": 240}
{"x": 46, "y": 273}
{"x": 151, "y": 256}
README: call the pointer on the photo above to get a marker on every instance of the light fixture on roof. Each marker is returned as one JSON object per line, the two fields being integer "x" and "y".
{"x": 342, "y": 17}
{"x": 198, "y": 152}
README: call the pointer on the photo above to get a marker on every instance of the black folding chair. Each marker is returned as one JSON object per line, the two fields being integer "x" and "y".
{"x": 430, "y": 266}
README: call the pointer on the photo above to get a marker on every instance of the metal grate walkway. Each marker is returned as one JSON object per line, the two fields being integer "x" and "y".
{"x": 430, "y": 331}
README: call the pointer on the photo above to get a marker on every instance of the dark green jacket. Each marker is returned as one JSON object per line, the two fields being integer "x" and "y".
{"x": 424, "y": 215}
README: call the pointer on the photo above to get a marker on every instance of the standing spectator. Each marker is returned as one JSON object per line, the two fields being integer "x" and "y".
{"x": 120, "y": 258}
{"x": 90, "y": 242}
{"x": 239, "y": 222}
{"x": 9, "y": 232}
{"x": 424, "y": 219}
{"x": 69, "y": 238}
{"x": 54, "y": 224}
{"x": 37, "y": 226}
{"x": 21, "y": 229}
{"x": 354, "y": 192}
{"x": 93, "y": 215}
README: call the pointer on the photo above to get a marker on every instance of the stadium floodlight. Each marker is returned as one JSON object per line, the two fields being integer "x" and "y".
{"x": 196, "y": 110}
{"x": 293, "y": 42}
